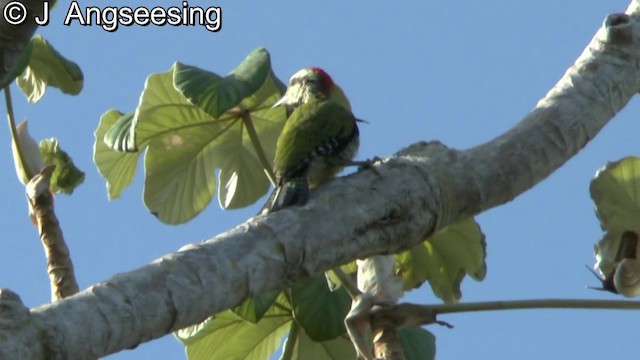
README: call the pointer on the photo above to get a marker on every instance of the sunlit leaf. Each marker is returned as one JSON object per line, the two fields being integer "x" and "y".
{"x": 47, "y": 67}
{"x": 254, "y": 308}
{"x": 615, "y": 189}
{"x": 444, "y": 260}
{"x": 417, "y": 343}
{"x": 66, "y": 176}
{"x": 121, "y": 136}
{"x": 118, "y": 168}
{"x": 318, "y": 310}
{"x": 616, "y": 192}
{"x": 185, "y": 145}
{"x": 228, "y": 336}
{"x": 217, "y": 95}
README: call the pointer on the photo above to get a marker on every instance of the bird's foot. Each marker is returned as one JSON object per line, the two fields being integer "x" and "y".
{"x": 369, "y": 164}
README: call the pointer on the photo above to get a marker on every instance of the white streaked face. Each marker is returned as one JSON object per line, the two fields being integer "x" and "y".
{"x": 303, "y": 85}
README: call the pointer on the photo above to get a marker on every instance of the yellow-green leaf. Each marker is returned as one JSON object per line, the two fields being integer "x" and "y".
{"x": 66, "y": 176}
{"x": 444, "y": 259}
{"x": 616, "y": 192}
{"x": 228, "y": 336}
{"x": 254, "y": 308}
{"x": 185, "y": 146}
{"x": 47, "y": 67}
{"x": 118, "y": 168}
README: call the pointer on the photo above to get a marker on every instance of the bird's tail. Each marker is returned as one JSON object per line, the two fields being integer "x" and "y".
{"x": 294, "y": 192}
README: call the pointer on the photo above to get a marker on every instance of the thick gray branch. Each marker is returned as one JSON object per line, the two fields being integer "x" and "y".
{"x": 418, "y": 191}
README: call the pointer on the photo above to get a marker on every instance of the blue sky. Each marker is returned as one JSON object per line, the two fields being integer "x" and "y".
{"x": 460, "y": 72}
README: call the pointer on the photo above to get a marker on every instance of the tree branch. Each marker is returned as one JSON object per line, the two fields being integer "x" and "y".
{"x": 59, "y": 265}
{"x": 420, "y": 190}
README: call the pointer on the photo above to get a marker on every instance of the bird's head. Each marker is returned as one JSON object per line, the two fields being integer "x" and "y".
{"x": 307, "y": 84}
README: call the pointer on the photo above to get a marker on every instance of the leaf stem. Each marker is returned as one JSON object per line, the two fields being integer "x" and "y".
{"x": 292, "y": 339}
{"x": 346, "y": 282}
{"x": 253, "y": 135}
{"x": 14, "y": 130}
{"x": 534, "y": 304}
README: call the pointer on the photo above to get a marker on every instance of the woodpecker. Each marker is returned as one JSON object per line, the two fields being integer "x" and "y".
{"x": 319, "y": 138}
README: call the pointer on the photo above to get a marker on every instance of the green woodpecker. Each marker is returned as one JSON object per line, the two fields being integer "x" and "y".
{"x": 319, "y": 138}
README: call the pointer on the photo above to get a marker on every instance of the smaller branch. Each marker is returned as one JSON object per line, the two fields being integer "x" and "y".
{"x": 534, "y": 304}
{"x": 14, "y": 131}
{"x": 59, "y": 265}
{"x": 292, "y": 339}
{"x": 255, "y": 140}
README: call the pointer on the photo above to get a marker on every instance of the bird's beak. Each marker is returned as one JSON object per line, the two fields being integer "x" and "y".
{"x": 280, "y": 102}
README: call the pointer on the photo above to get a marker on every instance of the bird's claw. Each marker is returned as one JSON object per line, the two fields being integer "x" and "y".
{"x": 369, "y": 165}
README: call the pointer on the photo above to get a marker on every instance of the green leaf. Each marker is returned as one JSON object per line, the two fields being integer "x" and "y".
{"x": 217, "y": 95}
{"x": 318, "y": 310}
{"x": 616, "y": 192}
{"x": 66, "y": 176}
{"x": 48, "y": 68}
{"x": 444, "y": 259}
{"x": 227, "y": 336}
{"x": 254, "y": 308}
{"x": 336, "y": 349}
{"x": 417, "y": 343}
{"x": 20, "y": 65}
{"x": 121, "y": 136}
{"x": 118, "y": 168}
{"x": 185, "y": 145}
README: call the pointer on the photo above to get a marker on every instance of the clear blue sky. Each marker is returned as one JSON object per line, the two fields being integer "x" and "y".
{"x": 460, "y": 72}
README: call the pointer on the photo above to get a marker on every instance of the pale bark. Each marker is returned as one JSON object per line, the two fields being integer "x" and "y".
{"x": 59, "y": 265}
{"x": 423, "y": 188}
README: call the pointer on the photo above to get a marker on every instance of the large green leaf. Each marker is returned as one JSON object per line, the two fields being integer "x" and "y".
{"x": 336, "y": 349}
{"x": 319, "y": 310}
{"x": 217, "y": 95}
{"x": 254, "y": 308}
{"x": 417, "y": 343}
{"x": 118, "y": 168}
{"x": 185, "y": 145}
{"x": 444, "y": 259}
{"x": 227, "y": 336}
{"x": 66, "y": 176}
{"x": 616, "y": 192}
{"x": 47, "y": 67}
